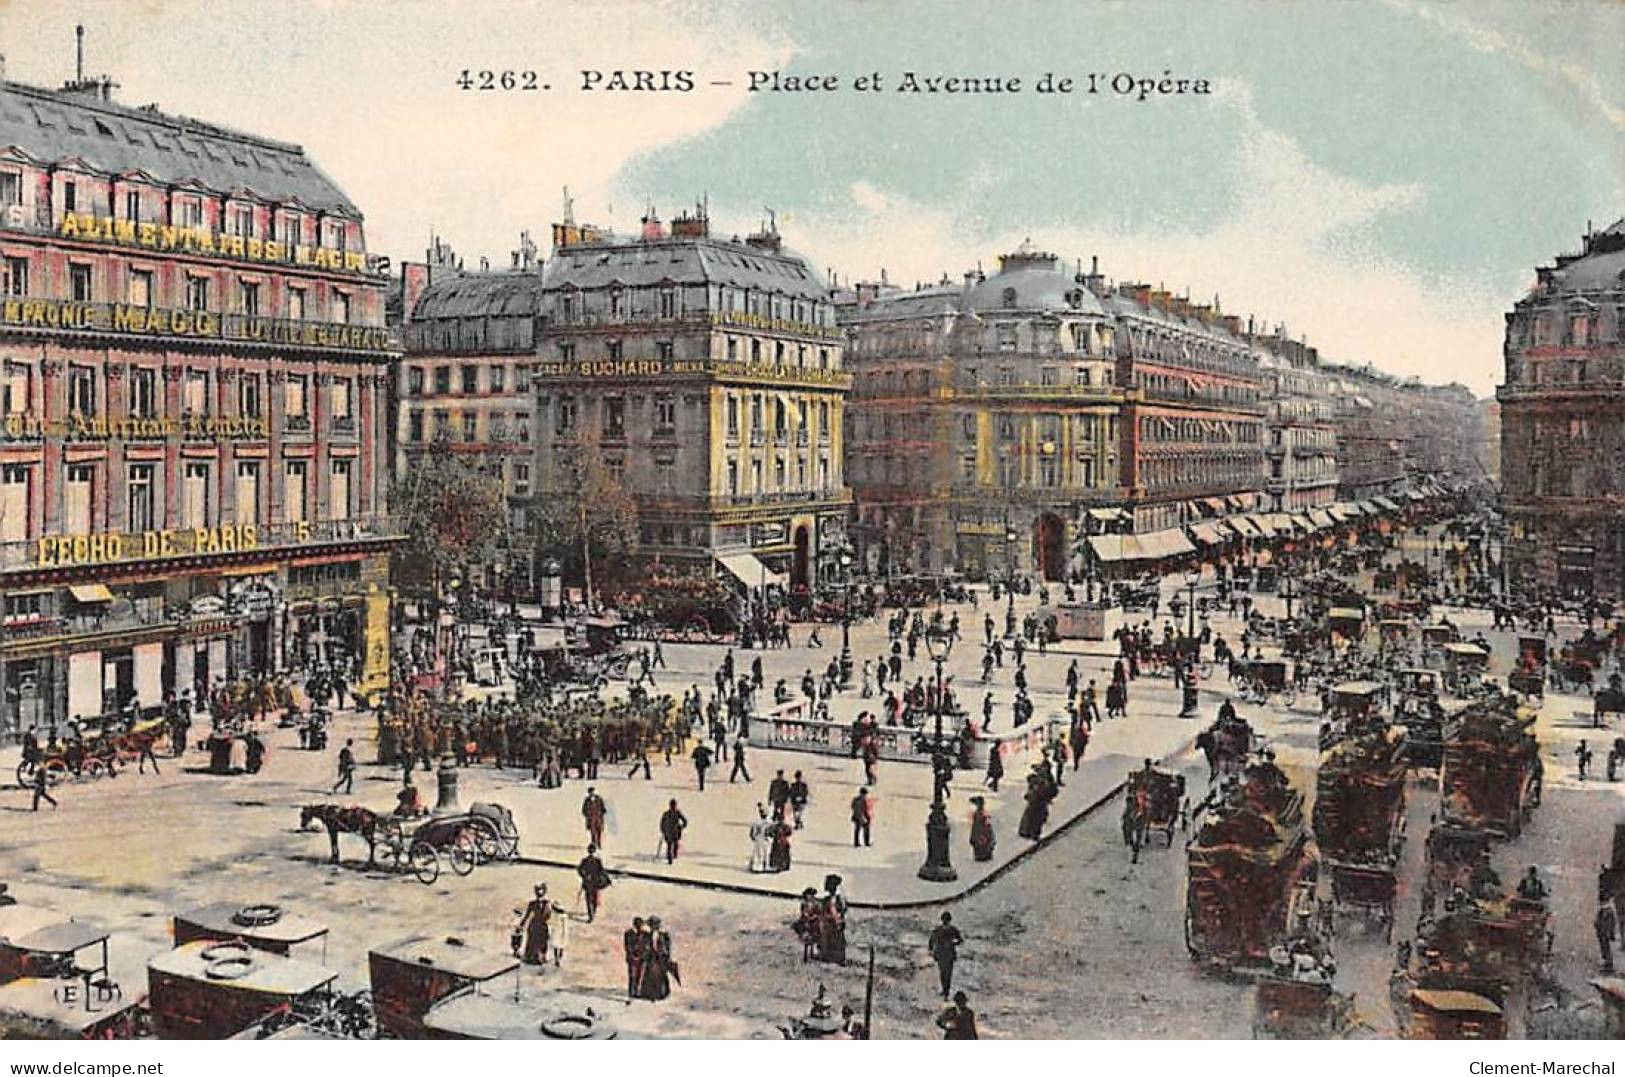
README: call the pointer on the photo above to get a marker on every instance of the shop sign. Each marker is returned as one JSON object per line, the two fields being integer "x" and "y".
{"x": 60, "y": 551}
{"x": 70, "y": 315}
{"x": 766, "y": 534}
{"x": 149, "y": 235}
{"x": 102, "y": 428}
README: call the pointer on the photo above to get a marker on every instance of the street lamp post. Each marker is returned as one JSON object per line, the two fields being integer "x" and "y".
{"x": 846, "y": 618}
{"x": 1191, "y": 580}
{"x": 938, "y": 866}
{"x": 1010, "y": 582}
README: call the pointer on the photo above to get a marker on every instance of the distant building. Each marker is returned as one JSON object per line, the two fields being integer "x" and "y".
{"x": 470, "y": 340}
{"x": 709, "y": 375}
{"x": 1563, "y": 425}
{"x": 193, "y": 466}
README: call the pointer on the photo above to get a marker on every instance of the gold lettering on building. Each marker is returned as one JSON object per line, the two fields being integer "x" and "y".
{"x": 155, "y": 237}
{"x": 59, "y": 551}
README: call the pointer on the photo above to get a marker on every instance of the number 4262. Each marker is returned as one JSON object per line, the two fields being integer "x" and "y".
{"x": 498, "y": 80}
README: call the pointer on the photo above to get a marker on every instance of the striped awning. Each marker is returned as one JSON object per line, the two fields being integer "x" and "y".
{"x": 1321, "y": 518}
{"x": 1242, "y": 526}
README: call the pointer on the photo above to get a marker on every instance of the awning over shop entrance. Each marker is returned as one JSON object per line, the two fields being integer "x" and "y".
{"x": 1386, "y": 503}
{"x": 750, "y": 570}
{"x": 90, "y": 592}
{"x": 1169, "y": 543}
{"x": 1207, "y": 534}
{"x": 1242, "y": 526}
{"x": 1262, "y": 525}
{"x": 1370, "y": 508}
{"x": 1149, "y": 547}
{"x": 1321, "y": 518}
{"x": 1106, "y": 515}
{"x": 1303, "y": 523}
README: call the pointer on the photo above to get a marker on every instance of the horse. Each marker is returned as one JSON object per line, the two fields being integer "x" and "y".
{"x": 352, "y": 820}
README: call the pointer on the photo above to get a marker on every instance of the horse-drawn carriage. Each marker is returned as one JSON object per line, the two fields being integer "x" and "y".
{"x": 1609, "y": 701}
{"x": 486, "y": 832}
{"x": 1359, "y": 820}
{"x": 1528, "y": 676}
{"x": 1262, "y": 679}
{"x": 1464, "y": 667}
{"x": 96, "y": 755}
{"x": 1491, "y": 774}
{"x": 1577, "y": 663}
{"x": 593, "y": 654}
{"x": 1346, "y": 621}
{"x": 1153, "y": 800}
{"x": 1353, "y": 708}
{"x": 1226, "y": 744}
{"x": 1250, "y": 870}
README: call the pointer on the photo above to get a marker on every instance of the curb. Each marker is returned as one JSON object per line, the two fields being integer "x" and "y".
{"x": 879, "y": 906}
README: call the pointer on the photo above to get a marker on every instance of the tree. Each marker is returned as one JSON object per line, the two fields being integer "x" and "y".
{"x": 453, "y": 514}
{"x": 586, "y": 513}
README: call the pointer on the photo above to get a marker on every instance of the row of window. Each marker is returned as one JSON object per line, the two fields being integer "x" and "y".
{"x": 500, "y": 427}
{"x": 145, "y": 400}
{"x": 198, "y": 504}
{"x": 620, "y": 303}
{"x": 782, "y": 473}
{"x": 464, "y": 379}
{"x": 665, "y": 352}
{"x": 196, "y": 291}
{"x": 180, "y": 209}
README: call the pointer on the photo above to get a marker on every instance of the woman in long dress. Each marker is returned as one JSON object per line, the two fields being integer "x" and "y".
{"x": 536, "y": 928}
{"x": 778, "y": 857}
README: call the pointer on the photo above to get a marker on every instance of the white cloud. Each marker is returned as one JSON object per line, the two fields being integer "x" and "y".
{"x": 1289, "y": 251}
{"x": 1581, "y": 80}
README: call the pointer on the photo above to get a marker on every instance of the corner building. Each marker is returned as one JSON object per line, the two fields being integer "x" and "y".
{"x": 192, "y": 455}
{"x": 708, "y": 373}
{"x": 1563, "y": 425}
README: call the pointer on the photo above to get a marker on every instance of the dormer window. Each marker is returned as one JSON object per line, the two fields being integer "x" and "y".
{"x": 1009, "y": 297}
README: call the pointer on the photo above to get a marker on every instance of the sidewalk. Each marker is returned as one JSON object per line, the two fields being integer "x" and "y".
{"x": 716, "y": 848}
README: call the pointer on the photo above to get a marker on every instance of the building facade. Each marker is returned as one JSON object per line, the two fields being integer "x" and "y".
{"x": 1300, "y": 437}
{"x": 708, "y": 373}
{"x": 192, "y": 456}
{"x": 469, "y": 340}
{"x": 1563, "y": 425}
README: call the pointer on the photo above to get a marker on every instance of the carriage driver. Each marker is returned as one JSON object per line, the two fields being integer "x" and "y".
{"x": 1530, "y": 887}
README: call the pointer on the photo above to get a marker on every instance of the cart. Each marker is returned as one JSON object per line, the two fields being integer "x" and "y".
{"x": 1353, "y": 708}
{"x": 1359, "y": 821}
{"x": 214, "y": 990}
{"x": 1453, "y": 1015}
{"x": 1288, "y": 1009}
{"x": 456, "y": 837}
{"x": 258, "y": 926}
{"x": 1263, "y": 678}
{"x": 411, "y": 975}
{"x": 1346, "y": 621}
{"x": 1249, "y": 869}
{"x": 1226, "y": 744}
{"x": 1153, "y": 800}
{"x": 1491, "y": 776}
{"x": 1464, "y": 667}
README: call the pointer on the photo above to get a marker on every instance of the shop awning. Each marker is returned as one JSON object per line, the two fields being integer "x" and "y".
{"x": 1370, "y": 508}
{"x": 750, "y": 570}
{"x": 1106, "y": 515}
{"x": 1321, "y": 518}
{"x": 1215, "y": 504}
{"x": 1280, "y": 521}
{"x": 1261, "y": 524}
{"x": 1341, "y": 512}
{"x": 1236, "y": 502}
{"x": 1302, "y": 522}
{"x": 1207, "y": 534}
{"x": 1386, "y": 503}
{"x": 1114, "y": 547}
{"x": 90, "y": 592}
{"x": 1169, "y": 543}
{"x": 1242, "y": 526}
{"x": 1413, "y": 495}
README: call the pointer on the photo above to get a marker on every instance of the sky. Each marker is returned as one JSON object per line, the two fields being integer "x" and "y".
{"x": 1381, "y": 177}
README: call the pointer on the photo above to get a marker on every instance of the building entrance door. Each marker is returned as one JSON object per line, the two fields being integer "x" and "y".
{"x": 801, "y": 561}
{"x": 1049, "y": 546}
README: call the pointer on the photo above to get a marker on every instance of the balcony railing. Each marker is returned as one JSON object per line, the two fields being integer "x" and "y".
{"x": 110, "y": 548}
{"x": 296, "y": 424}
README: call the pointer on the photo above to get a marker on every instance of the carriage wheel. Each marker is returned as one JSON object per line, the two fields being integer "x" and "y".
{"x": 464, "y": 851}
{"x": 94, "y": 769}
{"x": 487, "y": 842}
{"x": 56, "y": 772}
{"x": 425, "y": 864}
{"x": 393, "y": 849}
{"x": 25, "y": 775}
